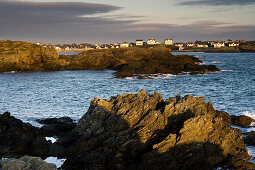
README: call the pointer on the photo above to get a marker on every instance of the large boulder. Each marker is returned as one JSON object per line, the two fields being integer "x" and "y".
{"x": 18, "y": 138}
{"x": 142, "y": 131}
{"x": 25, "y": 56}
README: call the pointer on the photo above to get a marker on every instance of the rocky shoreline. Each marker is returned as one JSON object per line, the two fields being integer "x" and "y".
{"x": 133, "y": 131}
{"x": 25, "y": 57}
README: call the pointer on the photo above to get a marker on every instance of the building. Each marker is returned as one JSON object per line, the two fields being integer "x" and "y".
{"x": 139, "y": 42}
{"x": 190, "y": 44}
{"x": 219, "y": 44}
{"x": 233, "y": 44}
{"x": 124, "y": 45}
{"x": 151, "y": 41}
{"x": 168, "y": 41}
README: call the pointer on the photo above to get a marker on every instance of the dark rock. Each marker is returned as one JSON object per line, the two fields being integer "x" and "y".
{"x": 18, "y": 138}
{"x": 242, "y": 121}
{"x": 62, "y": 129}
{"x": 57, "y": 126}
{"x": 249, "y": 138}
{"x": 26, "y": 163}
{"x": 141, "y": 131}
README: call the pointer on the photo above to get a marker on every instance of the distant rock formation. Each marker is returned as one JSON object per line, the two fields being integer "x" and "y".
{"x": 24, "y": 56}
{"x": 132, "y": 61}
{"x": 141, "y": 131}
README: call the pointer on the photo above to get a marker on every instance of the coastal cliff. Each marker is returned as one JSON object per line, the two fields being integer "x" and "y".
{"x": 24, "y": 56}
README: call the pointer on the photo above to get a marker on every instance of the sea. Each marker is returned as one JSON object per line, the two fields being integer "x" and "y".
{"x": 38, "y": 95}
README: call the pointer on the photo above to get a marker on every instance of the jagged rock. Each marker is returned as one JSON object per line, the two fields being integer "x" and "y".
{"x": 141, "y": 131}
{"x": 242, "y": 121}
{"x": 24, "y": 56}
{"x": 26, "y": 163}
{"x": 18, "y": 138}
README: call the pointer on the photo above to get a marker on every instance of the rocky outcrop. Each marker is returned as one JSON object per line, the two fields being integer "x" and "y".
{"x": 26, "y": 163}
{"x": 18, "y": 138}
{"x": 242, "y": 121}
{"x": 142, "y": 131}
{"x": 24, "y": 56}
{"x": 132, "y": 61}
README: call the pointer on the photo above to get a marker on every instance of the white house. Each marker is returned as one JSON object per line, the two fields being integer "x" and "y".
{"x": 190, "y": 44}
{"x": 233, "y": 44}
{"x": 124, "y": 45}
{"x": 168, "y": 41}
{"x": 58, "y": 48}
{"x": 219, "y": 44}
{"x": 151, "y": 41}
{"x": 179, "y": 44}
{"x": 202, "y": 45}
{"x": 139, "y": 42}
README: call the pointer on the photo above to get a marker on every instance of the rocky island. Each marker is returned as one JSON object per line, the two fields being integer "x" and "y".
{"x": 24, "y": 56}
{"x": 134, "y": 131}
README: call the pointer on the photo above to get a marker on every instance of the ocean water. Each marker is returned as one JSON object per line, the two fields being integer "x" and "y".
{"x": 31, "y": 96}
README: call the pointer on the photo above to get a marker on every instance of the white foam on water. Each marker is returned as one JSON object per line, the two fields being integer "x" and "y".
{"x": 129, "y": 78}
{"x": 215, "y": 62}
{"x": 249, "y": 114}
{"x": 55, "y": 160}
{"x": 52, "y": 139}
{"x": 251, "y": 152}
{"x": 226, "y": 70}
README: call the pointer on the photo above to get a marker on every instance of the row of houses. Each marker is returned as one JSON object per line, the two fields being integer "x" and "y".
{"x": 149, "y": 42}
{"x": 206, "y": 44}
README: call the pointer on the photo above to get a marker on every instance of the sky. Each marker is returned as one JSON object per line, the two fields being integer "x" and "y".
{"x": 101, "y": 21}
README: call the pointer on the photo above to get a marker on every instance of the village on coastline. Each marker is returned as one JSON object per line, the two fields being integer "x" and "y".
{"x": 169, "y": 43}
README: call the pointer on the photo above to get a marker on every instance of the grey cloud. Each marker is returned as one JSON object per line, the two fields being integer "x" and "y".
{"x": 217, "y": 2}
{"x": 54, "y": 8}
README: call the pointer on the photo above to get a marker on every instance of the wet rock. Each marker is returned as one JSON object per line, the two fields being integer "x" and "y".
{"x": 142, "y": 131}
{"x": 242, "y": 121}
{"x": 26, "y": 163}
{"x": 18, "y": 138}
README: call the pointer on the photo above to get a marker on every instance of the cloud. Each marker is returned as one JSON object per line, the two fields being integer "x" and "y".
{"x": 59, "y": 22}
{"x": 217, "y": 2}
{"x": 54, "y": 8}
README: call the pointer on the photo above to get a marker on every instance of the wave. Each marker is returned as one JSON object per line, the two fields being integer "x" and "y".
{"x": 55, "y": 160}
{"x": 249, "y": 114}
{"x": 216, "y": 62}
{"x": 226, "y": 70}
